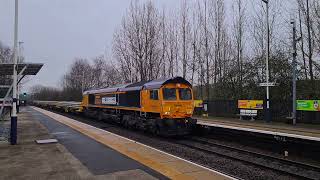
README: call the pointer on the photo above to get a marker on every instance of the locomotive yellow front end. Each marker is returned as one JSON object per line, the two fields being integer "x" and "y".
{"x": 177, "y": 108}
{"x": 170, "y": 104}
{"x": 177, "y": 101}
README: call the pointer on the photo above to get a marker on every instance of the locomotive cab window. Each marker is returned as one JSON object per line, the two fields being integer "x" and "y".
{"x": 185, "y": 94}
{"x": 154, "y": 95}
{"x": 169, "y": 94}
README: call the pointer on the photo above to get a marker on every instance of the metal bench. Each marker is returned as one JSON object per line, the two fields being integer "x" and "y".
{"x": 249, "y": 113}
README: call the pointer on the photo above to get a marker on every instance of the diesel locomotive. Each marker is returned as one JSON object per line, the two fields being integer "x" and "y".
{"x": 163, "y": 106}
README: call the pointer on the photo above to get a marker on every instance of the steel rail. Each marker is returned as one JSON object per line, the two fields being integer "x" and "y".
{"x": 288, "y": 161}
{"x": 190, "y": 144}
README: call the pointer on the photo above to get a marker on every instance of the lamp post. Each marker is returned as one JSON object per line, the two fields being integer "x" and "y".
{"x": 13, "y": 127}
{"x": 268, "y": 113}
{"x": 19, "y": 52}
{"x": 294, "y": 71}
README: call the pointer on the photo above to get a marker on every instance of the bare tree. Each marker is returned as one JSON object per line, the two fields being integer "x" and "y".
{"x": 185, "y": 34}
{"x": 305, "y": 9}
{"x": 205, "y": 49}
{"x": 164, "y": 43}
{"x": 137, "y": 41}
{"x": 219, "y": 56}
{"x": 172, "y": 48}
{"x": 98, "y": 71}
{"x": 111, "y": 75}
{"x": 5, "y": 53}
{"x": 79, "y": 78}
{"x": 316, "y": 15}
{"x": 302, "y": 45}
{"x": 239, "y": 25}
{"x": 217, "y": 15}
{"x": 309, "y": 41}
{"x": 195, "y": 47}
{"x": 258, "y": 34}
{"x": 5, "y": 57}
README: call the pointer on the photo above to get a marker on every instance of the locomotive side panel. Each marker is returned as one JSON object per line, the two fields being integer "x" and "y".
{"x": 85, "y": 100}
{"x": 151, "y": 101}
{"x": 130, "y": 99}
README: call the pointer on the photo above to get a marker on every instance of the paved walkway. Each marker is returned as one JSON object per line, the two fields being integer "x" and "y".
{"x": 28, "y": 160}
{"x": 303, "y": 129}
{"x": 4, "y": 131}
{"x": 166, "y": 164}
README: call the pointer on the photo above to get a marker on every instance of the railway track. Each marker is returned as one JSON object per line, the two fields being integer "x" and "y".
{"x": 202, "y": 150}
{"x": 288, "y": 167}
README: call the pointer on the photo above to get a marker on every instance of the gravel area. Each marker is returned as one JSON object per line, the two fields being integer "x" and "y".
{"x": 228, "y": 166}
{"x": 299, "y": 170}
{"x": 237, "y": 144}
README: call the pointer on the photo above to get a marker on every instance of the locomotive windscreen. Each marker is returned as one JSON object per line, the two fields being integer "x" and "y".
{"x": 91, "y": 99}
{"x": 130, "y": 99}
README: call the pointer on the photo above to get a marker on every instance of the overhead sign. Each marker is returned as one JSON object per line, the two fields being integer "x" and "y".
{"x": 268, "y": 84}
{"x": 250, "y": 104}
{"x": 308, "y": 105}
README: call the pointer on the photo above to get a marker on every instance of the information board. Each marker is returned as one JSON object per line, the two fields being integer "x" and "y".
{"x": 109, "y": 100}
{"x": 198, "y": 103}
{"x": 250, "y": 104}
{"x": 308, "y": 105}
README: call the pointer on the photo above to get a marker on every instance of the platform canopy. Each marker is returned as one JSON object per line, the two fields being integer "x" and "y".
{"x": 31, "y": 68}
{"x": 3, "y": 92}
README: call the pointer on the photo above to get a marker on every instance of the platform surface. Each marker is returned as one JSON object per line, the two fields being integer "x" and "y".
{"x": 302, "y": 131}
{"x": 75, "y": 156}
{"x": 117, "y": 153}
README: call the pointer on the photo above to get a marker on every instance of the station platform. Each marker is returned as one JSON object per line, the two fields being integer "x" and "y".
{"x": 309, "y": 132}
{"x": 86, "y": 152}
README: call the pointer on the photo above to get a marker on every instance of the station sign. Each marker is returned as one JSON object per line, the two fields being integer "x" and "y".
{"x": 308, "y": 105}
{"x": 268, "y": 84}
{"x": 250, "y": 104}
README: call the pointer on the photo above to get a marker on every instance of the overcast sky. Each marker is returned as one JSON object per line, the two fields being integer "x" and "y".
{"x": 54, "y": 32}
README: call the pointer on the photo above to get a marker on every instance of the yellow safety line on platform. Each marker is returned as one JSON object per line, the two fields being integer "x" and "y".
{"x": 97, "y": 134}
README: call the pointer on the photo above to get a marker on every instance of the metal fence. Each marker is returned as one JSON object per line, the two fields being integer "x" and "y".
{"x": 281, "y": 110}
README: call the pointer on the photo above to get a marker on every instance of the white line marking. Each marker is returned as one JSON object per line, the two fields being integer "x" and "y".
{"x": 57, "y": 133}
{"x": 46, "y": 141}
{"x": 262, "y": 131}
{"x": 217, "y": 172}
